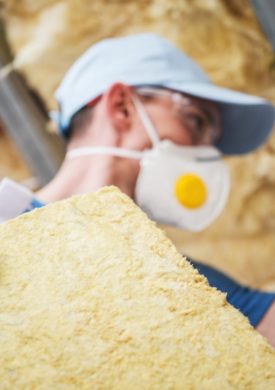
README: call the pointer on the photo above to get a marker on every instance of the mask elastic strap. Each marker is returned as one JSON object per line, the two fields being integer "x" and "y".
{"x": 147, "y": 123}
{"x": 105, "y": 151}
{"x": 117, "y": 152}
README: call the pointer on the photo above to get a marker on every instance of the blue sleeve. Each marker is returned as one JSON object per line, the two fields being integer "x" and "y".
{"x": 251, "y": 303}
{"x": 35, "y": 204}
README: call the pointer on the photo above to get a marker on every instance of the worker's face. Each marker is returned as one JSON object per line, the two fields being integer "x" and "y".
{"x": 181, "y": 119}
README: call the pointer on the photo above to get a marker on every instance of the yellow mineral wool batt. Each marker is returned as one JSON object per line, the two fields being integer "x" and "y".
{"x": 94, "y": 296}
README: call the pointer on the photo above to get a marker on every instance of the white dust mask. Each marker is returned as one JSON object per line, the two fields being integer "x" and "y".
{"x": 183, "y": 186}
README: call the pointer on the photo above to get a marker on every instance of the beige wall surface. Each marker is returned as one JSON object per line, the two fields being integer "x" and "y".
{"x": 224, "y": 37}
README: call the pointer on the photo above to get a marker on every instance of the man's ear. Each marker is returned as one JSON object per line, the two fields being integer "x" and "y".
{"x": 119, "y": 106}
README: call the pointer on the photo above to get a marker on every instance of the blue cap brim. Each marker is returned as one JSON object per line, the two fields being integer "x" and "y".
{"x": 246, "y": 120}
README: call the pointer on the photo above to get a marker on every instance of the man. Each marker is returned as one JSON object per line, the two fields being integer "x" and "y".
{"x": 139, "y": 114}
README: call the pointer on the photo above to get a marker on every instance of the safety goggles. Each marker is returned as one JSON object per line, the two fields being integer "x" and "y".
{"x": 199, "y": 117}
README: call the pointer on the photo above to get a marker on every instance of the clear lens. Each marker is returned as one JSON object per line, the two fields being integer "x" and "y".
{"x": 195, "y": 115}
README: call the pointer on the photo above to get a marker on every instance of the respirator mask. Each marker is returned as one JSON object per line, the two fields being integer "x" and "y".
{"x": 183, "y": 186}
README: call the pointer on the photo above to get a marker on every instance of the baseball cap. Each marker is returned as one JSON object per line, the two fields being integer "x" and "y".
{"x": 149, "y": 60}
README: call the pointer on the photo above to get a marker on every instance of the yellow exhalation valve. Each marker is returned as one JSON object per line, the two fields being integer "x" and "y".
{"x": 190, "y": 191}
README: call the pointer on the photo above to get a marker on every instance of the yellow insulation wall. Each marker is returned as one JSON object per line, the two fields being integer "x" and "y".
{"x": 11, "y": 163}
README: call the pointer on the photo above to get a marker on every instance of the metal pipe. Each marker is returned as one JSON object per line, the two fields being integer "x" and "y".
{"x": 25, "y": 122}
